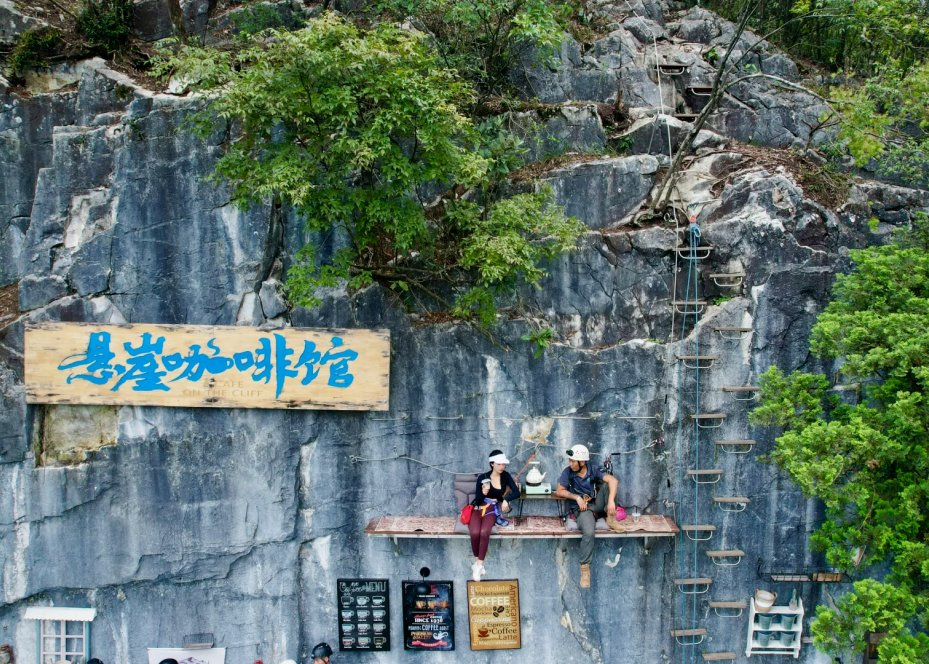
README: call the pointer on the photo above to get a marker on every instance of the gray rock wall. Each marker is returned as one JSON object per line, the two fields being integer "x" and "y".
{"x": 238, "y": 522}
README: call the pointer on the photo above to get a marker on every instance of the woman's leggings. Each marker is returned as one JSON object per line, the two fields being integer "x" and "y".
{"x": 479, "y": 527}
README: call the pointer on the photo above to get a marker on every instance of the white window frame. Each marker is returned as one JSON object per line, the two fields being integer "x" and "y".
{"x": 46, "y": 616}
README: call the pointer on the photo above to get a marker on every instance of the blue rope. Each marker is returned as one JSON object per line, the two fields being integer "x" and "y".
{"x": 694, "y": 242}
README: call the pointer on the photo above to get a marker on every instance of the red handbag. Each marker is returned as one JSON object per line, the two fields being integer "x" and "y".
{"x": 466, "y": 514}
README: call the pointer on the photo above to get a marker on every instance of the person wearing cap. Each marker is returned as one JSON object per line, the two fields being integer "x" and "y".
{"x": 321, "y": 653}
{"x": 495, "y": 489}
{"x": 578, "y": 482}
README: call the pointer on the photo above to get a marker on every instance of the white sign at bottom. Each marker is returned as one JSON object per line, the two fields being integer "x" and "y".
{"x": 182, "y": 656}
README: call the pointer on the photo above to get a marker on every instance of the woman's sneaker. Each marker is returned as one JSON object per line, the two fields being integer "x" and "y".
{"x": 476, "y": 570}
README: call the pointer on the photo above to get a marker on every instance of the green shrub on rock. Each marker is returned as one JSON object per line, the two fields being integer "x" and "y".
{"x": 106, "y": 23}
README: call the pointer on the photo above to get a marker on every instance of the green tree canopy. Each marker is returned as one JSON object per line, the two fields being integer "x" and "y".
{"x": 357, "y": 130}
{"x": 867, "y": 461}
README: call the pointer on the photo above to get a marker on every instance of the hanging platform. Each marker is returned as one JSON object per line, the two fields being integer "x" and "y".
{"x": 694, "y": 253}
{"x": 740, "y": 503}
{"x": 689, "y": 636}
{"x": 746, "y": 393}
{"x": 728, "y": 279}
{"x": 530, "y": 527}
{"x": 733, "y": 333}
{"x": 718, "y": 656}
{"x": 698, "y": 361}
{"x": 693, "y": 586}
{"x": 688, "y": 529}
{"x": 699, "y": 304}
{"x": 719, "y": 418}
{"x": 724, "y": 556}
{"x": 672, "y": 70}
{"x": 726, "y": 607}
{"x": 736, "y": 446}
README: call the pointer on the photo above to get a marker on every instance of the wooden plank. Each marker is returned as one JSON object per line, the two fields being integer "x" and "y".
{"x": 704, "y": 472}
{"x": 701, "y": 581}
{"x": 530, "y": 527}
{"x": 732, "y": 553}
{"x": 747, "y": 388}
{"x": 726, "y": 274}
{"x": 689, "y": 632}
{"x": 709, "y": 416}
{"x": 735, "y": 442}
{"x": 726, "y": 328}
{"x": 695, "y": 528}
{"x": 718, "y": 656}
{"x": 202, "y": 366}
{"x": 827, "y": 577}
{"x": 698, "y": 357}
{"x": 731, "y": 499}
{"x": 728, "y": 605}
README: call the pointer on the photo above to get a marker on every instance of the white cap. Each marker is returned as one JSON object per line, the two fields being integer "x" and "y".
{"x": 499, "y": 458}
{"x": 579, "y": 453}
{"x": 288, "y": 661}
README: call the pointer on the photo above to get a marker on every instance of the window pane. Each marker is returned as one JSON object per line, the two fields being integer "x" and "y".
{"x": 74, "y": 628}
{"x": 51, "y": 645}
{"x": 74, "y": 646}
{"x": 51, "y": 627}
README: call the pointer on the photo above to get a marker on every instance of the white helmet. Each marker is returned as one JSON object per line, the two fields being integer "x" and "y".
{"x": 579, "y": 453}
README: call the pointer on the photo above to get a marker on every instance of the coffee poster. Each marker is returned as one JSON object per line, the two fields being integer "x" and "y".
{"x": 428, "y": 615}
{"x": 364, "y": 614}
{"x": 493, "y": 615}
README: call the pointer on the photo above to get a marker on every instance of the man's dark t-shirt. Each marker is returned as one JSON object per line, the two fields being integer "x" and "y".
{"x": 582, "y": 485}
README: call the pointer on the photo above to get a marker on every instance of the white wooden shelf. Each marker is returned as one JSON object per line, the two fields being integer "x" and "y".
{"x": 754, "y": 647}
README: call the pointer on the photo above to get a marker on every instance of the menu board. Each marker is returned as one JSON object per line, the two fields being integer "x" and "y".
{"x": 364, "y": 614}
{"x": 428, "y": 615}
{"x": 493, "y": 615}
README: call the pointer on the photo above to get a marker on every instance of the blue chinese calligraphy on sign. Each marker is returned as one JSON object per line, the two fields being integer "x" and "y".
{"x": 146, "y": 368}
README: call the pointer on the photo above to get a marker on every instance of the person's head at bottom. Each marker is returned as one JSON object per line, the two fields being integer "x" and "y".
{"x": 169, "y": 660}
{"x": 95, "y": 660}
{"x": 321, "y": 653}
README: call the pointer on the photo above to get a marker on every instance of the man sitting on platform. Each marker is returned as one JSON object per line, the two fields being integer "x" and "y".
{"x": 579, "y": 482}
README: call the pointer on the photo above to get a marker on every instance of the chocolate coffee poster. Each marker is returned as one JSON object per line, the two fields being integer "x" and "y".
{"x": 493, "y": 615}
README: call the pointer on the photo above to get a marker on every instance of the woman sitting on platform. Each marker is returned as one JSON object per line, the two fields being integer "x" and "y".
{"x": 495, "y": 489}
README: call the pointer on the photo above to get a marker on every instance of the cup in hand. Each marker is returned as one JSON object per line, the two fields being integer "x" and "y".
{"x": 486, "y": 485}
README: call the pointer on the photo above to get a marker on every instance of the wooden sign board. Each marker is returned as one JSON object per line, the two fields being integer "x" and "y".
{"x": 206, "y": 366}
{"x": 493, "y": 615}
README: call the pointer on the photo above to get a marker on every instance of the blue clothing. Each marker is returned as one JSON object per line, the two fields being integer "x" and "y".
{"x": 582, "y": 486}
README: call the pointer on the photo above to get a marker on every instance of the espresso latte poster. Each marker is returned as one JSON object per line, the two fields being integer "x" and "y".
{"x": 493, "y": 615}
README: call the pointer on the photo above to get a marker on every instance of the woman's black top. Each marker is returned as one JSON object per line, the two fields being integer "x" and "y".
{"x": 508, "y": 490}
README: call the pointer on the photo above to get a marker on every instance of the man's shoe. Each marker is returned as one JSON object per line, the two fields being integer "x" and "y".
{"x": 614, "y": 525}
{"x": 585, "y": 576}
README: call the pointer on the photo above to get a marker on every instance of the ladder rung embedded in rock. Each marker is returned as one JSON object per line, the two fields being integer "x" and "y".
{"x": 688, "y": 632}
{"x": 703, "y": 582}
{"x": 731, "y": 499}
{"x": 728, "y": 279}
{"x": 728, "y": 605}
{"x": 746, "y": 388}
{"x": 698, "y": 361}
{"x": 726, "y": 444}
{"x": 700, "y": 90}
{"x": 686, "y": 117}
{"x": 692, "y": 529}
{"x": 698, "y": 357}
{"x": 687, "y": 307}
{"x": 672, "y": 70}
{"x": 696, "y": 475}
{"x": 733, "y": 333}
{"x": 709, "y": 417}
{"x": 718, "y": 656}
{"x": 696, "y": 253}
{"x": 720, "y": 558}
{"x": 744, "y": 393}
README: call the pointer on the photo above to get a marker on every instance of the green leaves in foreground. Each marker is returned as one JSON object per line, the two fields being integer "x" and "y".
{"x": 358, "y": 130}
{"x": 868, "y": 460}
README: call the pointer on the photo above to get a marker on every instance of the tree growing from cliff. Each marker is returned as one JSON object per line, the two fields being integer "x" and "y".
{"x": 360, "y": 132}
{"x": 868, "y": 461}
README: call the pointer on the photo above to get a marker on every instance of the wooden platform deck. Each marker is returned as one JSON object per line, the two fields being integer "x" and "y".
{"x": 530, "y": 527}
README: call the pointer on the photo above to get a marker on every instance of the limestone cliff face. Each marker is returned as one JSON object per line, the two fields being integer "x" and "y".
{"x": 238, "y": 522}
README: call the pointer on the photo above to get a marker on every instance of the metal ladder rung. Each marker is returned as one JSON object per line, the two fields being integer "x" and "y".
{"x": 700, "y": 90}
{"x": 718, "y": 656}
{"x": 687, "y": 117}
{"x": 695, "y": 584}
{"x": 751, "y": 390}
{"x": 678, "y": 634}
{"x": 672, "y": 70}
{"x": 740, "y": 501}
{"x": 716, "y": 556}
{"x": 687, "y": 530}
{"x": 727, "y": 332}
{"x": 725, "y": 444}
{"x": 677, "y": 304}
{"x": 728, "y": 606}
{"x": 697, "y": 359}
{"x": 709, "y": 417}
{"x": 738, "y": 276}
{"x": 697, "y": 474}
{"x": 694, "y": 253}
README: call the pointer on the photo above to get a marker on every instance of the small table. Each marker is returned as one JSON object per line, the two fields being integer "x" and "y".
{"x": 562, "y": 507}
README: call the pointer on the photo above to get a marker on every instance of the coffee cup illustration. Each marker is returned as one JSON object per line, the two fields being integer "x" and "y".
{"x": 379, "y": 614}
{"x": 377, "y": 600}
{"x": 362, "y": 601}
{"x": 379, "y": 641}
{"x": 364, "y": 642}
{"x": 483, "y": 632}
{"x": 348, "y": 628}
{"x": 348, "y": 643}
{"x": 347, "y": 616}
{"x": 363, "y": 614}
{"x": 347, "y": 600}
